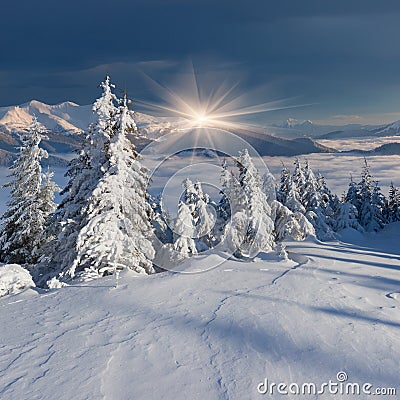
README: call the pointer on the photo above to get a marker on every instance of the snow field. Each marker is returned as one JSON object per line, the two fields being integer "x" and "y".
{"x": 215, "y": 335}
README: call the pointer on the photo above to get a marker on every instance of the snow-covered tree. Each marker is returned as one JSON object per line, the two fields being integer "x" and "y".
{"x": 251, "y": 228}
{"x": 345, "y": 216}
{"x": 293, "y": 201}
{"x": 372, "y": 205}
{"x": 353, "y": 194}
{"x": 299, "y": 179}
{"x": 290, "y": 224}
{"x": 161, "y": 222}
{"x": 47, "y": 193}
{"x": 184, "y": 232}
{"x": 311, "y": 197}
{"x": 327, "y": 200}
{"x": 394, "y": 203}
{"x": 315, "y": 207}
{"x": 190, "y": 194}
{"x": 285, "y": 182}
{"x": 224, "y": 208}
{"x": 23, "y": 229}
{"x": 105, "y": 217}
{"x": 269, "y": 187}
{"x": 205, "y": 218}
{"x": 203, "y": 214}
{"x": 116, "y": 231}
{"x": 84, "y": 173}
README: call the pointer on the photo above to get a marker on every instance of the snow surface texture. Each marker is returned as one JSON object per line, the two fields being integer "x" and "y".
{"x": 216, "y": 335}
{"x": 13, "y": 279}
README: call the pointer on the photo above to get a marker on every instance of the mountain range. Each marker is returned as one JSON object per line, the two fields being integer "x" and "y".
{"x": 64, "y": 123}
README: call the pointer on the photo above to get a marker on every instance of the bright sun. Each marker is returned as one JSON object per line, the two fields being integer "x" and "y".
{"x": 200, "y": 119}
{"x": 221, "y": 107}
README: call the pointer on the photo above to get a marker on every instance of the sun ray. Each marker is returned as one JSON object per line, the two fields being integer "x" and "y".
{"x": 220, "y": 107}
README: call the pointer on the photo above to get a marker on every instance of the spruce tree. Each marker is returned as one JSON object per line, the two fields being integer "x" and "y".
{"x": 345, "y": 216}
{"x": 184, "y": 232}
{"x": 394, "y": 204}
{"x": 285, "y": 181}
{"x": 23, "y": 232}
{"x": 104, "y": 220}
{"x": 315, "y": 208}
{"x": 254, "y": 224}
{"x": 116, "y": 231}
{"x": 353, "y": 194}
{"x": 293, "y": 201}
{"x": 372, "y": 207}
{"x": 299, "y": 180}
{"x": 205, "y": 218}
{"x": 224, "y": 205}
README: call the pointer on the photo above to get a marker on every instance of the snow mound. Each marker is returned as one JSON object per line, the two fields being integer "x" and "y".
{"x": 349, "y": 234}
{"x": 13, "y": 279}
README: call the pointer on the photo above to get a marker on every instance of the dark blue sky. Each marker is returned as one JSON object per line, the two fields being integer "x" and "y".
{"x": 344, "y": 56}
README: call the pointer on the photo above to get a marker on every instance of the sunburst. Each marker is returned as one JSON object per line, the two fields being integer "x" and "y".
{"x": 223, "y": 106}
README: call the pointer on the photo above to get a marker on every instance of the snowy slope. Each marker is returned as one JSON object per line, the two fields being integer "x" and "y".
{"x": 212, "y": 335}
{"x": 390, "y": 130}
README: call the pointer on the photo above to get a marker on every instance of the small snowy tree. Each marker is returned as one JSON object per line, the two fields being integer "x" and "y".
{"x": 203, "y": 214}
{"x": 224, "y": 206}
{"x": 161, "y": 222}
{"x": 269, "y": 187}
{"x": 290, "y": 224}
{"x": 315, "y": 208}
{"x": 353, "y": 195}
{"x": 372, "y": 205}
{"x": 293, "y": 201}
{"x": 23, "y": 230}
{"x": 283, "y": 190}
{"x": 311, "y": 196}
{"x": 394, "y": 203}
{"x": 299, "y": 179}
{"x": 346, "y": 216}
{"x": 252, "y": 227}
{"x": 327, "y": 200}
{"x": 184, "y": 232}
{"x": 205, "y": 217}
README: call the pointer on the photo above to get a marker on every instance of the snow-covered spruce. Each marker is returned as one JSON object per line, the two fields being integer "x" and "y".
{"x": 105, "y": 218}
{"x": 346, "y": 216}
{"x": 251, "y": 227}
{"x": 203, "y": 214}
{"x": 23, "y": 230}
{"x": 372, "y": 204}
{"x": 184, "y": 231}
{"x": 288, "y": 224}
{"x": 393, "y": 204}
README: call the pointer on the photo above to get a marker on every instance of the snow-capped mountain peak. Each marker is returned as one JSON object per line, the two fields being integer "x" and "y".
{"x": 66, "y": 117}
{"x": 291, "y": 123}
{"x": 392, "y": 129}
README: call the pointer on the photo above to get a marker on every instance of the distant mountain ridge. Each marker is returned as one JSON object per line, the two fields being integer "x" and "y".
{"x": 63, "y": 124}
{"x": 387, "y": 149}
{"x": 65, "y": 118}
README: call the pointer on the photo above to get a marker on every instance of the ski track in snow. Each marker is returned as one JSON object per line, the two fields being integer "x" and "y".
{"x": 215, "y": 335}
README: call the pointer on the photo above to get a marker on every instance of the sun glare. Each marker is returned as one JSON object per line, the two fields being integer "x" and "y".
{"x": 221, "y": 106}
